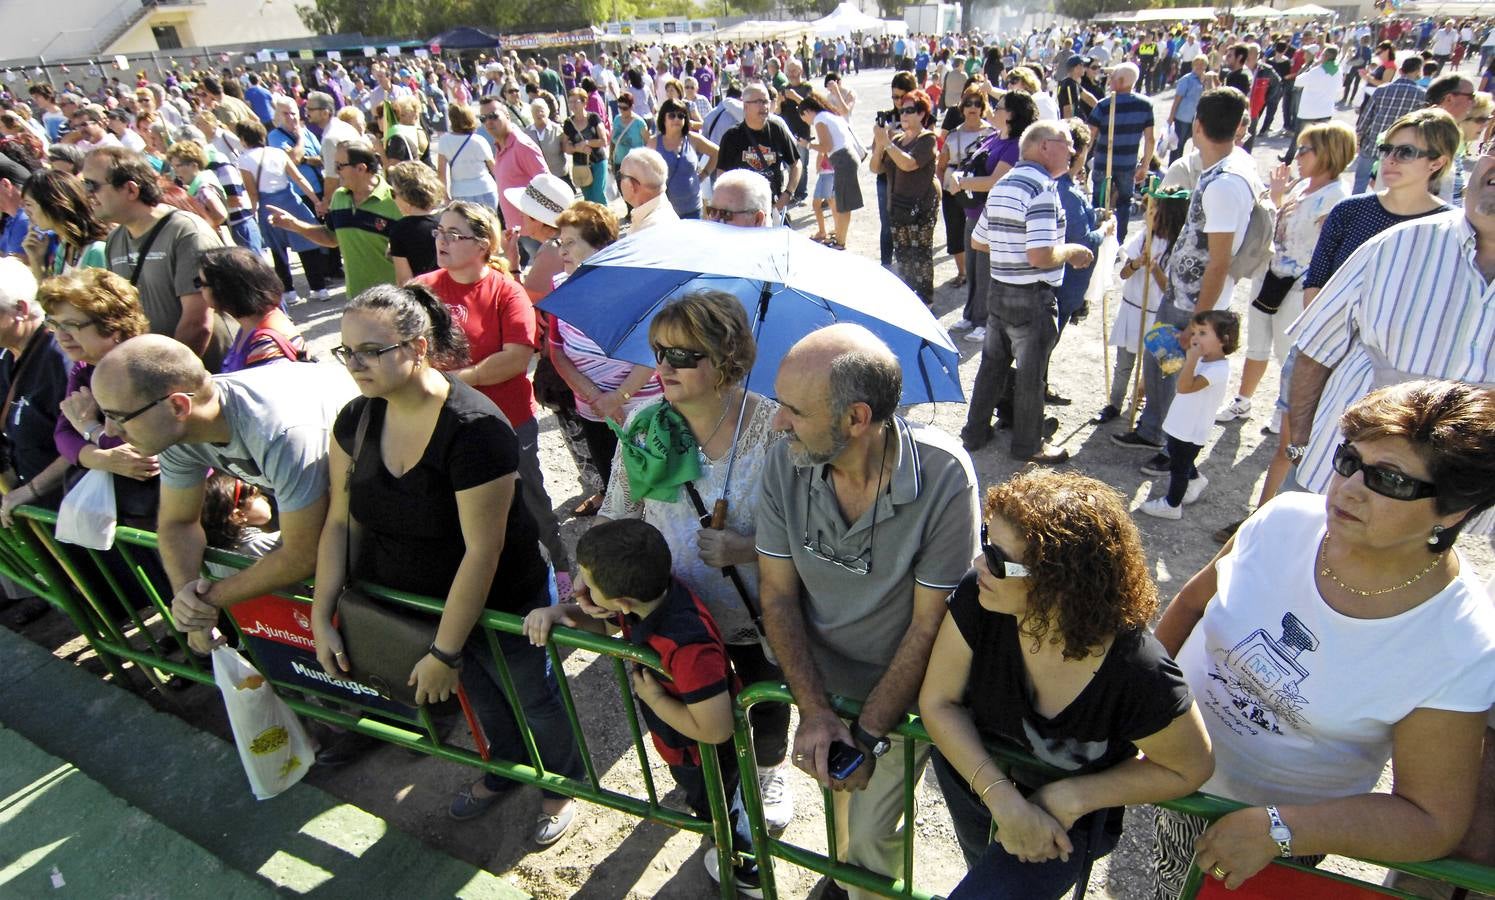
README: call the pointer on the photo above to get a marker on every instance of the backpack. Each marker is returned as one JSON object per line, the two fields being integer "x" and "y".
{"x": 1256, "y": 249}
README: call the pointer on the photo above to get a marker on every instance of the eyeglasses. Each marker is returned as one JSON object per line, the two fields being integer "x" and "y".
{"x": 861, "y": 564}
{"x": 997, "y": 562}
{"x": 674, "y": 115}
{"x": 488, "y": 117}
{"x": 344, "y": 165}
{"x": 512, "y": 91}
{"x": 678, "y": 357}
{"x": 365, "y": 358}
{"x": 755, "y": 102}
{"x": 68, "y": 326}
{"x": 1305, "y": 148}
{"x": 92, "y": 186}
{"x": 443, "y": 235}
{"x": 119, "y": 419}
{"x": 718, "y": 214}
{"x": 1381, "y": 480}
{"x": 1403, "y": 152}
{"x": 243, "y": 492}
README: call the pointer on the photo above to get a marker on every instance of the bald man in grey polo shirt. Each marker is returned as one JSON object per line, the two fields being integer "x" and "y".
{"x": 865, "y": 526}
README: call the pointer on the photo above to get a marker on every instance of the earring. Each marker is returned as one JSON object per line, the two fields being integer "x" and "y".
{"x": 1436, "y": 536}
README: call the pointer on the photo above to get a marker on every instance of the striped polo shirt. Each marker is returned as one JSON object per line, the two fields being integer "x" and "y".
{"x": 1411, "y": 303}
{"x": 1133, "y": 116}
{"x": 1023, "y": 213}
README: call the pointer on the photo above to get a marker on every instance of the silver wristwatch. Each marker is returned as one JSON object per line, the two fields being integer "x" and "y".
{"x": 1295, "y": 453}
{"x": 1280, "y": 833}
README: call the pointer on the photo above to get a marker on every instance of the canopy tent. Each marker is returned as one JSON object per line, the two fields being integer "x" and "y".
{"x": 466, "y": 38}
{"x": 1176, "y": 14}
{"x": 1259, "y": 12}
{"x": 1308, "y": 11}
{"x": 760, "y": 29}
{"x": 1446, "y": 8}
{"x": 845, "y": 20}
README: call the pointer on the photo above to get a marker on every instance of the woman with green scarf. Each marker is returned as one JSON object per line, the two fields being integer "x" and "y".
{"x": 671, "y": 467}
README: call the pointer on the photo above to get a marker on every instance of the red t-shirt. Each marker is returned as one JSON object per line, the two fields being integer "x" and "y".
{"x": 494, "y": 311}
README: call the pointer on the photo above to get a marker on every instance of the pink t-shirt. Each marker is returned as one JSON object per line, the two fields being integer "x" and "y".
{"x": 517, "y": 162}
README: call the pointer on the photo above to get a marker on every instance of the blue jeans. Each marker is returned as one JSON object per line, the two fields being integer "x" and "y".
{"x": 995, "y": 873}
{"x": 1160, "y": 388}
{"x": 1122, "y": 190}
{"x": 535, "y": 688}
{"x": 1184, "y": 131}
{"x": 1364, "y": 163}
{"x": 1022, "y": 328}
{"x": 246, "y": 233}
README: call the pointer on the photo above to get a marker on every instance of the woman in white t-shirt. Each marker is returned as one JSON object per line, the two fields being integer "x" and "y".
{"x": 269, "y": 174}
{"x": 464, "y": 161}
{"x": 834, "y": 138}
{"x": 1332, "y": 634}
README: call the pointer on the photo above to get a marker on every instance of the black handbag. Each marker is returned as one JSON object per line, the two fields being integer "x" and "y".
{"x": 1274, "y": 289}
{"x": 383, "y": 643}
{"x": 551, "y": 390}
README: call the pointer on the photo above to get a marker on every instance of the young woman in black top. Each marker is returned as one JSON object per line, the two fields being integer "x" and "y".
{"x": 436, "y": 500}
{"x": 1046, "y": 652}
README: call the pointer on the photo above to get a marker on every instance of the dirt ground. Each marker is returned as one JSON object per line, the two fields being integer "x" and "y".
{"x": 611, "y": 855}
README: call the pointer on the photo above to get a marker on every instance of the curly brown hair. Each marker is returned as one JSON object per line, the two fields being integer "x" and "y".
{"x": 716, "y": 322}
{"x": 1087, "y": 574}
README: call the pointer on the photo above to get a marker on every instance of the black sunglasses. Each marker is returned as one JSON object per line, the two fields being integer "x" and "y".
{"x": 1380, "y": 480}
{"x": 997, "y": 562}
{"x": 972, "y": 104}
{"x": 678, "y": 357}
{"x": 908, "y": 110}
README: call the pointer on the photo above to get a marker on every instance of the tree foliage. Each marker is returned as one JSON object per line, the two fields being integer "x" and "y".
{"x": 422, "y": 19}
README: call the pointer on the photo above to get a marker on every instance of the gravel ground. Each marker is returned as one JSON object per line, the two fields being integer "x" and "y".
{"x": 610, "y": 855}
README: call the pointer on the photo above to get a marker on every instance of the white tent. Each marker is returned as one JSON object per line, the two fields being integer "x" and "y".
{"x": 1308, "y": 11}
{"x": 758, "y": 30}
{"x": 1259, "y": 12}
{"x": 845, "y": 20}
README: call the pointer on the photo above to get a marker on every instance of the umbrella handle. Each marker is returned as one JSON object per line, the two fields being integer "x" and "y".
{"x": 719, "y": 514}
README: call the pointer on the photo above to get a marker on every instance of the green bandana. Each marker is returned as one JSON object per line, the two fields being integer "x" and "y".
{"x": 1332, "y": 68}
{"x": 659, "y": 453}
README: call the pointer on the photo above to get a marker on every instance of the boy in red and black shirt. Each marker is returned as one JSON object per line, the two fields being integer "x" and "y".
{"x": 618, "y": 563}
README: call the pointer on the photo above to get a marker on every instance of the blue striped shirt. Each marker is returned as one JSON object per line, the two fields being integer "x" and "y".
{"x": 1133, "y": 116}
{"x": 1411, "y": 303}
{"x": 1022, "y": 213}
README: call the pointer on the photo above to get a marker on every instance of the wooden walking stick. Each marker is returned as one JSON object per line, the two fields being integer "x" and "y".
{"x": 1142, "y": 313}
{"x": 1108, "y": 194}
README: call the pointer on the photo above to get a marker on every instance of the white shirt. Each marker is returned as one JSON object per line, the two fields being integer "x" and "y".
{"x": 1320, "y": 91}
{"x": 653, "y": 212}
{"x": 1191, "y": 416}
{"x": 132, "y": 140}
{"x": 1048, "y": 108}
{"x": 838, "y": 127}
{"x": 266, "y": 167}
{"x": 1299, "y": 699}
{"x": 1443, "y": 41}
{"x": 336, "y": 132}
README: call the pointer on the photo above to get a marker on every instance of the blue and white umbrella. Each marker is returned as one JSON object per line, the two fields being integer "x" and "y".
{"x": 789, "y": 284}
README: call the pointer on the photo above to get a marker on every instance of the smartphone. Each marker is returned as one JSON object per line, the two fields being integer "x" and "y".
{"x": 843, "y": 760}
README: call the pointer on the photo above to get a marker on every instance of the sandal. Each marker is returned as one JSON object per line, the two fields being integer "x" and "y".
{"x": 588, "y": 507}
{"x": 821, "y": 238}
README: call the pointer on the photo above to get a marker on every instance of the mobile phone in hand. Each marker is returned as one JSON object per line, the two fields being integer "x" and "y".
{"x": 843, "y": 760}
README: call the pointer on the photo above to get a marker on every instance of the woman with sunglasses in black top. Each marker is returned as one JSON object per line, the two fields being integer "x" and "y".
{"x": 1335, "y": 633}
{"x": 1046, "y": 652}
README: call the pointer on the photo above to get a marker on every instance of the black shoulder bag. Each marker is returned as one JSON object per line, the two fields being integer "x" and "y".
{"x": 383, "y": 642}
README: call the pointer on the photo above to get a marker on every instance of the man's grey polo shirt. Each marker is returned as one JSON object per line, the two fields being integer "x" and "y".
{"x": 926, "y": 534}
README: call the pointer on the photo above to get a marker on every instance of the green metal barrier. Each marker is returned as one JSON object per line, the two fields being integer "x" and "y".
{"x": 85, "y": 586}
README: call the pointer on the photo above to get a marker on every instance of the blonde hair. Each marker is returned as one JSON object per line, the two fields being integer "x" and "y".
{"x": 1334, "y": 145}
{"x": 188, "y": 151}
{"x": 484, "y": 225}
{"x": 1438, "y": 130}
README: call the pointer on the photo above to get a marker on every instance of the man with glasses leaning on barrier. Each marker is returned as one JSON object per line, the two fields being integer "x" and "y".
{"x": 845, "y": 614}
{"x": 268, "y": 426}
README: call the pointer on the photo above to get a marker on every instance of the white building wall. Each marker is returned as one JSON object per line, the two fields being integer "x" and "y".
{"x": 70, "y": 29}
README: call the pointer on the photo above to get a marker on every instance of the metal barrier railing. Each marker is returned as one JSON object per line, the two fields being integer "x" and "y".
{"x": 87, "y": 586}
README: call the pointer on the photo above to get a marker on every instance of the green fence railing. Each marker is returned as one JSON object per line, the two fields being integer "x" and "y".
{"x": 103, "y": 594}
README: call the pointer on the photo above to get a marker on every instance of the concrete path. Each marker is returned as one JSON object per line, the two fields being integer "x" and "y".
{"x": 125, "y": 801}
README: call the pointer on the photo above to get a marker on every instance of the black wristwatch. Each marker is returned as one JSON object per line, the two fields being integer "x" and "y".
{"x": 452, "y": 660}
{"x": 878, "y": 745}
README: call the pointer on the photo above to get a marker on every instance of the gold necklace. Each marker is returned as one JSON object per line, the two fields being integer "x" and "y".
{"x": 1329, "y": 573}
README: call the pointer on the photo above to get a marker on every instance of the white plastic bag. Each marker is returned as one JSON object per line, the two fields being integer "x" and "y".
{"x": 87, "y": 515}
{"x": 272, "y": 743}
{"x": 1166, "y": 142}
{"x": 1103, "y": 272}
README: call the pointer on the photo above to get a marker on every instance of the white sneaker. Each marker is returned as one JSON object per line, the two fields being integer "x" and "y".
{"x": 1275, "y": 426}
{"x": 778, "y": 797}
{"x": 1196, "y": 487}
{"x": 1158, "y": 508}
{"x": 291, "y": 298}
{"x": 962, "y": 325}
{"x": 1235, "y": 409}
{"x": 321, "y": 296}
{"x": 977, "y": 335}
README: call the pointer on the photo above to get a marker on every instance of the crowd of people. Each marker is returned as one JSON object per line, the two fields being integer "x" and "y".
{"x": 144, "y": 293}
